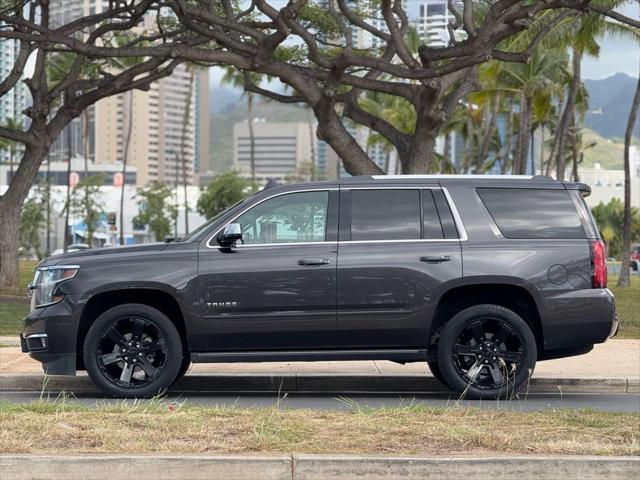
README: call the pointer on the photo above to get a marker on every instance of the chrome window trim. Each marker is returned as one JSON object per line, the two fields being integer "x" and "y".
{"x": 462, "y": 233}
{"x": 212, "y": 237}
{"x": 457, "y": 219}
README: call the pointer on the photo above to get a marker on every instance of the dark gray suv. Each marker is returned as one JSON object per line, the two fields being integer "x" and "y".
{"x": 480, "y": 276}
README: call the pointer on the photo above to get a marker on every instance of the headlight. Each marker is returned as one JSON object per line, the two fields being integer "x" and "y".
{"x": 46, "y": 279}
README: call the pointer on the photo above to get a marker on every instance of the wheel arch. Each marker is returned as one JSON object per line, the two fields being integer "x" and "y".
{"x": 99, "y": 303}
{"x": 513, "y": 296}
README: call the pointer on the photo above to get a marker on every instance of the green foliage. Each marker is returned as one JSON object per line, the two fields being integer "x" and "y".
{"x": 86, "y": 202}
{"x": 609, "y": 218}
{"x": 155, "y": 210}
{"x": 32, "y": 221}
{"x": 317, "y": 18}
{"x": 224, "y": 191}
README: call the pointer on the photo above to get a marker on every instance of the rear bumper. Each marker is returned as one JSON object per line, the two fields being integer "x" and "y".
{"x": 579, "y": 318}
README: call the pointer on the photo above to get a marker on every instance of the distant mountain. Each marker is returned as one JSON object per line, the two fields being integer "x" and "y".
{"x": 223, "y": 99}
{"x": 609, "y": 105}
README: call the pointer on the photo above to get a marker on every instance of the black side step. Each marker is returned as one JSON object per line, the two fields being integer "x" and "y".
{"x": 395, "y": 355}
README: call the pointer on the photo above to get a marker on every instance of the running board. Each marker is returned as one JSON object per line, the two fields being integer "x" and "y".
{"x": 394, "y": 355}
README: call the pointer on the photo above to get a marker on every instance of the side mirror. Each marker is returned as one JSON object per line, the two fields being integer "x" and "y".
{"x": 231, "y": 234}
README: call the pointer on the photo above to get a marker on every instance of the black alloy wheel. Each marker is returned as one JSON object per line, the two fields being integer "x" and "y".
{"x": 133, "y": 350}
{"x": 486, "y": 351}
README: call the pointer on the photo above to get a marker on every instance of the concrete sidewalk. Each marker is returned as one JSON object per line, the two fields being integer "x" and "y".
{"x": 614, "y": 359}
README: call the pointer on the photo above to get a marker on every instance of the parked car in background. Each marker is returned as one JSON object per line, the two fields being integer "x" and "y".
{"x": 635, "y": 257}
{"x": 479, "y": 276}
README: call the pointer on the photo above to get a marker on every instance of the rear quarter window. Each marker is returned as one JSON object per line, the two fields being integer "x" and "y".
{"x": 533, "y": 213}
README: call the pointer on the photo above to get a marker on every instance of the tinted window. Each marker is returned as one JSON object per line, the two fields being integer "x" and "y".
{"x": 532, "y": 213}
{"x": 446, "y": 218}
{"x": 431, "y": 227}
{"x": 385, "y": 214}
{"x": 294, "y": 217}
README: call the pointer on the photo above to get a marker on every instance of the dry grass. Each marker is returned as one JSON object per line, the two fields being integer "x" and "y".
{"x": 156, "y": 427}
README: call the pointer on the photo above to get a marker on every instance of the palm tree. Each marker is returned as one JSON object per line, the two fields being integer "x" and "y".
{"x": 526, "y": 82}
{"x": 236, "y": 78}
{"x": 623, "y": 280}
{"x": 191, "y": 68}
{"x": 125, "y": 158}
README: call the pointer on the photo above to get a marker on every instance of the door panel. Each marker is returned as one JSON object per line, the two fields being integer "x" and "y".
{"x": 398, "y": 252}
{"x": 387, "y": 294}
{"x": 277, "y": 291}
{"x": 262, "y": 298}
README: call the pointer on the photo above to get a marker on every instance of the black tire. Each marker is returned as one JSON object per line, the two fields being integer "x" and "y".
{"x": 436, "y": 372}
{"x": 486, "y": 352}
{"x": 136, "y": 338}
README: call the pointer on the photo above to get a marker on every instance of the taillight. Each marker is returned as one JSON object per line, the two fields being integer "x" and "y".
{"x": 598, "y": 264}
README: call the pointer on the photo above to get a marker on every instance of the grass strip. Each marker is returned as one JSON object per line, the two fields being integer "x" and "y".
{"x": 63, "y": 426}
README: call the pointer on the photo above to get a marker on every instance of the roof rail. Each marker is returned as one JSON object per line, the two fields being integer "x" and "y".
{"x": 462, "y": 176}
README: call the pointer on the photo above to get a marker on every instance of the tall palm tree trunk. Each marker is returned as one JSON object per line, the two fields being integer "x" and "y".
{"x": 312, "y": 143}
{"x": 183, "y": 144}
{"x": 623, "y": 280}
{"x": 252, "y": 141}
{"x": 85, "y": 154}
{"x": 125, "y": 157}
{"x": 68, "y": 204}
{"x": 567, "y": 114}
{"x": 524, "y": 132}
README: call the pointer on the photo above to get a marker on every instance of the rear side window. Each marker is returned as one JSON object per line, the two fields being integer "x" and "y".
{"x": 385, "y": 214}
{"x": 532, "y": 213}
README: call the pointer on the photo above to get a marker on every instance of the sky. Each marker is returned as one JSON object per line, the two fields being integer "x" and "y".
{"x": 615, "y": 55}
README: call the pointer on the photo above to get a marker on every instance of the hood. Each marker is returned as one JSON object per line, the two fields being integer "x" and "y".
{"x": 98, "y": 252}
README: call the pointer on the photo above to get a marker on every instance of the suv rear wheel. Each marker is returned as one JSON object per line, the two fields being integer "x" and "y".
{"x": 486, "y": 351}
{"x": 133, "y": 351}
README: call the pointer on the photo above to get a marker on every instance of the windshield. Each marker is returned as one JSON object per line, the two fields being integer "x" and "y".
{"x": 211, "y": 221}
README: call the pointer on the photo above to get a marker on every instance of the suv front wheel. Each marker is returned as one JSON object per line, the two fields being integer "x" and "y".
{"x": 133, "y": 351}
{"x": 486, "y": 351}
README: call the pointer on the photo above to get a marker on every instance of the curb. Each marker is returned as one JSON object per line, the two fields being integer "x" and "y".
{"x": 308, "y": 467}
{"x": 318, "y": 383}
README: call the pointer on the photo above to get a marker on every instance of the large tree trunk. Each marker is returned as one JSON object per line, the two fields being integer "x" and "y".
{"x": 10, "y": 204}
{"x": 623, "y": 280}
{"x": 567, "y": 114}
{"x": 9, "y": 241}
{"x": 331, "y": 129}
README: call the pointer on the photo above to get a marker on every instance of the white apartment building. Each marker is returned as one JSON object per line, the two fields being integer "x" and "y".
{"x": 156, "y": 146}
{"x": 280, "y": 149}
{"x": 16, "y": 100}
{"x": 433, "y": 18}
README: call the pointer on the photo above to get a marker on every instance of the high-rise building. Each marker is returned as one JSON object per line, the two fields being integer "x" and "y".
{"x": 157, "y": 116}
{"x": 280, "y": 149}
{"x": 433, "y": 20}
{"x": 13, "y": 103}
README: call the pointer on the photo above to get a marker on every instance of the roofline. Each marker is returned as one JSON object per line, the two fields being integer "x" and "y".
{"x": 459, "y": 177}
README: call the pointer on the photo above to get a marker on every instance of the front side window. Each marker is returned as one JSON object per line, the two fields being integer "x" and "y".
{"x": 385, "y": 214}
{"x": 289, "y": 218}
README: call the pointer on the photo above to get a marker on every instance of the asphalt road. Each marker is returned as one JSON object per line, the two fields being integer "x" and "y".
{"x": 609, "y": 403}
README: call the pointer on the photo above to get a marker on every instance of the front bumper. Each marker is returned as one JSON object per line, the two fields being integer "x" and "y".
{"x": 49, "y": 337}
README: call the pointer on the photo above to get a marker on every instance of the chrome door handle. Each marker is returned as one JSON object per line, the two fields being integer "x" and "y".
{"x": 313, "y": 261}
{"x": 436, "y": 258}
